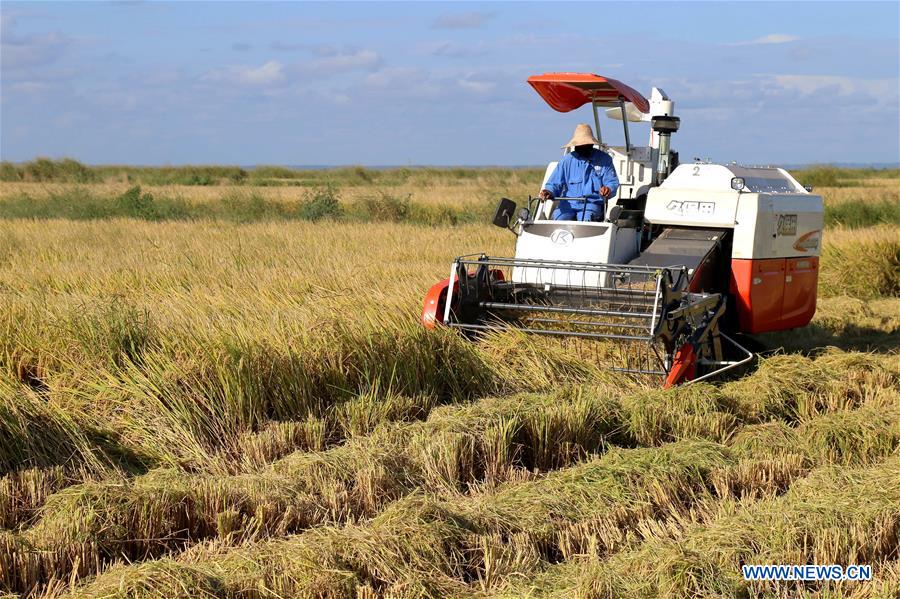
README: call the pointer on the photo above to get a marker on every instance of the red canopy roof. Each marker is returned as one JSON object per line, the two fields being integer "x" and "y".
{"x": 568, "y": 91}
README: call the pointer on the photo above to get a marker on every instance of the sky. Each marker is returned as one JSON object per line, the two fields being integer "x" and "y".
{"x": 439, "y": 83}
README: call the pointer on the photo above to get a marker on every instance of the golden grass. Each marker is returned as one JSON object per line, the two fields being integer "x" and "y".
{"x": 254, "y": 410}
{"x": 461, "y": 193}
{"x": 444, "y": 191}
{"x": 105, "y": 283}
{"x": 870, "y": 190}
{"x": 848, "y": 323}
{"x": 863, "y": 263}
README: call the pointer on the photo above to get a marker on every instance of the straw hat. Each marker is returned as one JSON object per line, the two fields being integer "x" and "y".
{"x": 583, "y": 136}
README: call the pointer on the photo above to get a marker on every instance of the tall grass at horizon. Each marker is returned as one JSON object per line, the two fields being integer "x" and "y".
{"x": 418, "y": 196}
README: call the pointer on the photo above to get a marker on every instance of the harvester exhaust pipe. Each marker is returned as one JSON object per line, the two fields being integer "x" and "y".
{"x": 664, "y": 126}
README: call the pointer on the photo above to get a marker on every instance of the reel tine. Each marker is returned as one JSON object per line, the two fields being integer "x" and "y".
{"x": 578, "y": 303}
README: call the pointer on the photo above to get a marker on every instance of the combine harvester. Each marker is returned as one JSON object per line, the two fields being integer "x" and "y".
{"x": 685, "y": 253}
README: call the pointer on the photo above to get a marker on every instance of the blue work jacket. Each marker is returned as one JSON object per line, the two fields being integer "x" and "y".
{"x": 577, "y": 177}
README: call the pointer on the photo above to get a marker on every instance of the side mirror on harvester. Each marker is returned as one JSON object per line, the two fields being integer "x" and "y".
{"x": 505, "y": 210}
{"x": 614, "y": 213}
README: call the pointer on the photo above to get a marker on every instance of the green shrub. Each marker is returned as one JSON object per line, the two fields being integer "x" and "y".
{"x": 819, "y": 176}
{"x": 9, "y": 172}
{"x": 137, "y": 205}
{"x": 274, "y": 172}
{"x": 362, "y": 174}
{"x": 863, "y": 214}
{"x": 241, "y": 207}
{"x": 825, "y": 175}
{"x": 45, "y": 170}
{"x": 322, "y": 202}
{"x": 173, "y": 175}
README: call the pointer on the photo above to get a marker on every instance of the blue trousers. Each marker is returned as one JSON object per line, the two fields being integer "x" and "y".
{"x": 577, "y": 210}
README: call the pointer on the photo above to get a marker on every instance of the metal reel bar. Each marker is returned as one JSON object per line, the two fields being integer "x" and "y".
{"x": 577, "y": 304}
{"x": 554, "y": 297}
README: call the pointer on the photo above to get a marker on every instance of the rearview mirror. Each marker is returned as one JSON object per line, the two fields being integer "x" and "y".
{"x": 505, "y": 210}
{"x": 614, "y": 213}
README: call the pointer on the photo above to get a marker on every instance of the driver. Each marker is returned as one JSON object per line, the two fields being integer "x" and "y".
{"x": 584, "y": 173}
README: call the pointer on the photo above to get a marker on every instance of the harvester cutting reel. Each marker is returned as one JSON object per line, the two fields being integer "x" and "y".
{"x": 651, "y": 323}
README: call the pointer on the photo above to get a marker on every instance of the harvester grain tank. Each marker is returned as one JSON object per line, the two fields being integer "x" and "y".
{"x": 687, "y": 258}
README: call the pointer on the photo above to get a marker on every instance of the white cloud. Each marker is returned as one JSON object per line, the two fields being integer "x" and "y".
{"x": 328, "y": 61}
{"x": 462, "y": 20}
{"x": 31, "y": 50}
{"x": 340, "y": 62}
{"x": 480, "y": 87}
{"x": 760, "y": 96}
{"x": 772, "y": 38}
{"x": 879, "y": 92}
{"x": 273, "y": 74}
{"x": 269, "y": 73}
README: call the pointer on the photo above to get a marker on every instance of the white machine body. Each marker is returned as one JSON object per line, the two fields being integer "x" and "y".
{"x": 554, "y": 241}
{"x": 774, "y": 225}
{"x": 772, "y": 215}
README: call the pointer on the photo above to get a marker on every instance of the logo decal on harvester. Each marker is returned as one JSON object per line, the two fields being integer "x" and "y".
{"x": 787, "y": 224}
{"x": 562, "y": 237}
{"x": 808, "y": 241}
{"x": 692, "y": 208}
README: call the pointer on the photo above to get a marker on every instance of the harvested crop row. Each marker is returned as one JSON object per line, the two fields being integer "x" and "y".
{"x": 429, "y": 546}
{"x": 846, "y": 437}
{"x": 196, "y": 409}
{"x": 23, "y": 492}
{"x": 424, "y": 546}
{"x": 833, "y": 516}
{"x": 482, "y": 444}
{"x": 552, "y": 430}
{"x": 794, "y": 389}
{"x": 93, "y": 523}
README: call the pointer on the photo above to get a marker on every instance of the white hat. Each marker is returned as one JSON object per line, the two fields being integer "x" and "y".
{"x": 583, "y": 136}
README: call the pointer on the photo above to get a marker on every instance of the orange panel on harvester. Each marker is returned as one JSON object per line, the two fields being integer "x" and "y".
{"x": 758, "y": 288}
{"x": 799, "y": 292}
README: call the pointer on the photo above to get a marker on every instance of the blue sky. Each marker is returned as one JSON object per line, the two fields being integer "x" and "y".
{"x": 438, "y": 83}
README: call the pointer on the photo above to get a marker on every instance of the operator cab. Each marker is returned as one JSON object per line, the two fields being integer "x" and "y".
{"x": 617, "y": 238}
{"x": 638, "y": 167}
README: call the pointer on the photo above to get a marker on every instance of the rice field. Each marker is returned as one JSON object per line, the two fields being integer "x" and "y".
{"x": 239, "y": 402}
